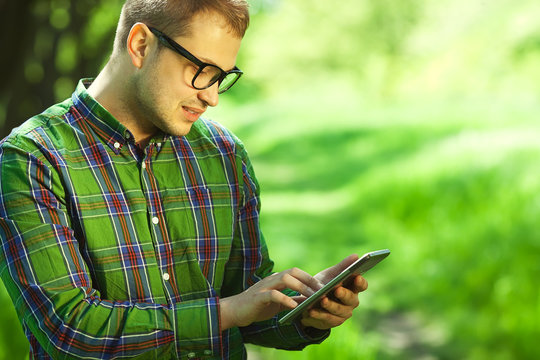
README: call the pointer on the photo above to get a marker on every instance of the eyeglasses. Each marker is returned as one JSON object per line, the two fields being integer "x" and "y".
{"x": 207, "y": 74}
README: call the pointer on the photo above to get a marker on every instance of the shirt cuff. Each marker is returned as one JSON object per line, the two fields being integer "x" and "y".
{"x": 311, "y": 333}
{"x": 197, "y": 327}
{"x": 296, "y": 338}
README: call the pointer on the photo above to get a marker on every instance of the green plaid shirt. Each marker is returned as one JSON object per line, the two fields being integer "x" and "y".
{"x": 112, "y": 252}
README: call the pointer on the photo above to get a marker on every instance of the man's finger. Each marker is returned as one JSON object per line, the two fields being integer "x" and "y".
{"x": 299, "y": 299}
{"x": 333, "y": 271}
{"x": 345, "y": 263}
{"x": 337, "y": 309}
{"x": 359, "y": 284}
{"x": 305, "y": 278}
{"x": 293, "y": 283}
{"x": 294, "y": 279}
{"x": 322, "y": 319}
{"x": 279, "y": 298}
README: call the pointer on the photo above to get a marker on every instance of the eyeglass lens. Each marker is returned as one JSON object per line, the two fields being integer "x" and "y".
{"x": 209, "y": 74}
{"x": 228, "y": 81}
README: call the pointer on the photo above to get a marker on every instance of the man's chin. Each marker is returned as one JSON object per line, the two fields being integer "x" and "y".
{"x": 181, "y": 130}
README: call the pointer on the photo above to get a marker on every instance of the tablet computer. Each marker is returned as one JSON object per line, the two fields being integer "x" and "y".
{"x": 359, "y": 267}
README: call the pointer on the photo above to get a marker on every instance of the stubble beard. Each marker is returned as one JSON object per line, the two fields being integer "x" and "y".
{"x": 152, "y": 114}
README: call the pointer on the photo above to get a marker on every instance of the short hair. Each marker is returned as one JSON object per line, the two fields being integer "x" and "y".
{"x": 173, "y": 17}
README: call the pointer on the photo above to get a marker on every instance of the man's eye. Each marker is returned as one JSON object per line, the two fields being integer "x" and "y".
{"x": 205, "y": 71}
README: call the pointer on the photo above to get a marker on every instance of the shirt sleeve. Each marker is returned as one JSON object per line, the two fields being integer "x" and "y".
{"x": 250, "y": 262}
{"x": 51, "y": 287}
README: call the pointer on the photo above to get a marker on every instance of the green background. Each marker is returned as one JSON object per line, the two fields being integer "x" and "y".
{"x": 410, "y": 125}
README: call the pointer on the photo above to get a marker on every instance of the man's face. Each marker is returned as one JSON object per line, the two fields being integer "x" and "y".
{"x": 164, "y": 95}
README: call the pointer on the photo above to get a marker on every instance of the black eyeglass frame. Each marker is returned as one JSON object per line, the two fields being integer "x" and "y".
{"x": 173, "y": 45}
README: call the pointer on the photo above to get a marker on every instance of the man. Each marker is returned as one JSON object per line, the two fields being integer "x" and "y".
{"x": 130, "y": 225}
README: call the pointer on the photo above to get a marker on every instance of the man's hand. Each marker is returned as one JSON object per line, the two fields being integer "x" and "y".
{"x": 264, "y": 299}
{"x": 334, "y": 312}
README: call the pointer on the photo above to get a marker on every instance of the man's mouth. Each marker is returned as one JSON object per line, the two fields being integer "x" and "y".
{"x": 192, "y": 114}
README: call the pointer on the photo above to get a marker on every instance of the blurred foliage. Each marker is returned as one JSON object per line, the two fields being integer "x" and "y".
{"x": 404, "y": 124}
{"x": 51, "y": 44}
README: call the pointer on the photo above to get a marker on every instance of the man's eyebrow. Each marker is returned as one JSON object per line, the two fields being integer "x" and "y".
{"x": 208, "y": 61}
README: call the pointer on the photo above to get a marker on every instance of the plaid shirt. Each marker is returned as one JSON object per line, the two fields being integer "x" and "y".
{"x": 111, "y": 252}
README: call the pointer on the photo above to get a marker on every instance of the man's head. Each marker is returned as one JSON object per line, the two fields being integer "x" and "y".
{"x": 156, "y": 86}
{"x": 173, "y": 17}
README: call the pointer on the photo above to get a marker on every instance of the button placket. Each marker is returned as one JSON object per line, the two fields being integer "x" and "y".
{"x": 155, "y": 217}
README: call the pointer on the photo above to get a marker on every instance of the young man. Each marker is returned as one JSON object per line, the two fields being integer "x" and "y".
{"x": 130, "y": 225}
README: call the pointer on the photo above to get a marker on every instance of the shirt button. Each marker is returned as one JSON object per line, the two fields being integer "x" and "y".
{"x": 166, "y": 276}
{"x": 117, "y": 145}
{"x": 155, "y": 220}
{"x": 207, "y": 352}
{"x": 191, "y": 355}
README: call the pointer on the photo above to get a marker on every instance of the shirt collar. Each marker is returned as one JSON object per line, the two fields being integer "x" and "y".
{"x": 106, "y": 127}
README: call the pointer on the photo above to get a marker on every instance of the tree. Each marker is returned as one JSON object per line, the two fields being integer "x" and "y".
{"x": 51, "y": 44}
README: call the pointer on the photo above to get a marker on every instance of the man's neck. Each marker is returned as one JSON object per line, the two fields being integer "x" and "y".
{"x": 111, "y": 90}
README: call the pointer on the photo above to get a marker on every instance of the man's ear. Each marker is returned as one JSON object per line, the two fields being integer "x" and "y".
{"x": 138, "y": 44}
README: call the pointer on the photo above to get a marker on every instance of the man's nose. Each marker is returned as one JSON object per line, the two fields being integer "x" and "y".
{"x": 210, "y": 95}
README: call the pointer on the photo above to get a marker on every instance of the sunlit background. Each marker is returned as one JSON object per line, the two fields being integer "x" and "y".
{"x": 403, "y": 124}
